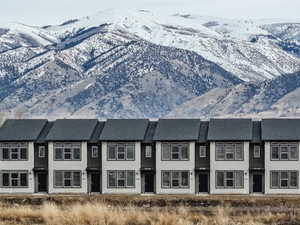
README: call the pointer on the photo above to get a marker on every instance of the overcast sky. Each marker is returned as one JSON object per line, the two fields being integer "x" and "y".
{"x": 43, "y": 12}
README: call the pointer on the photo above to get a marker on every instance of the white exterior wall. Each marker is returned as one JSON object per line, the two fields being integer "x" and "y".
{"x": 278, "y": 165}
{"x": 121, "y": 165}
{"x": 21, "y": 165}
{"x": 229, "y": 165}
{"x": 68, "y": 165}
{"x": 175, "y": 165}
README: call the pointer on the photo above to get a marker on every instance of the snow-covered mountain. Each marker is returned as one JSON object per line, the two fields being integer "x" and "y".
{"x": 120, "y": 63}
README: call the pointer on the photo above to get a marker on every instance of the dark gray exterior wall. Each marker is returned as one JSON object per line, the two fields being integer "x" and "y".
{"x": 255, "y": 163}
{"x": 94, "y": 162}
{"x": 40, "y": 162}
{"x": 148, "y": 162}
{"x": 202, "y": 162}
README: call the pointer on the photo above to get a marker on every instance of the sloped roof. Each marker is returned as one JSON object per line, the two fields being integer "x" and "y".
{"x": 150, "y": 132}
{"x": 72, "y": 130}
{"x": 177, "y": 130}
{"x": 204, "y": 125}
{"x": 280, "y": 129}
{"x": 230, "y": 129}
{"x": 256, "y": 136}
{"x": 21, "y": 129}
{"x": 42, "y": 137}
{"x": 124, "y": 130}
{"x": 97, "y": 132}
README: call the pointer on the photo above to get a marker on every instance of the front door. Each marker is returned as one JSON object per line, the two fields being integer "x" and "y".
{"x": 149, "y": 183}
{"x": 95, "y": 182}
{"x": 203, "y": 183}
{"x": 257, "y": 183}
{"x": 42, "y": 180}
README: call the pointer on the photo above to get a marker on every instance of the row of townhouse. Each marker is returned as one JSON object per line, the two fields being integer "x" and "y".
{"x": 168, "y": 156}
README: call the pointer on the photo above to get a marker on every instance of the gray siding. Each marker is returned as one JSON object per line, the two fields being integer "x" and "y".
{"x": 202, "y": 162}
{"x": 40, "y": 162}
{"x": 256, "y": 162}
{"x": 148, "y": 162}
{"x": 94, "y": 162}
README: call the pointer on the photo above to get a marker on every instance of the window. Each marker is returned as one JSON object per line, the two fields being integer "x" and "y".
{"x": 284, "y": 151}
{"x": 121, "y": 178}
{"x": 175, "y": 151}
{"x": 284, "y": 179}
{"x": 148, "y": 152}
{"x": 121, "y": 151}
{"x": 202, "y": 152}
{"x": 66, "y": 179}
{"x": 175, "y": 179}
{"x": 94, "y": 152}
{"x": 230, "y": 179}
{"x": 14, "y": 151}
{"x": 14, "y": 178}
{"x": 256, "y": 152}
{"x": 230, "y": 151}
{"x": 67, "y": 151}
{"x": 42, "y": 151}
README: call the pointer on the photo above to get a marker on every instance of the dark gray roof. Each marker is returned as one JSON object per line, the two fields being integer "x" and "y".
{"x": 256, "y": 135}
{"x": 230, "y": 129}
{"x": 203, "y": 131}
{"x": 177, "y": 130}
{"x": 124, "y": 130}
{"x": 150, "y": 132}
{"x": 72, "y": 130}
{"x": 97, "y": 132}
{"x": 42, "y": 137}
{"x": 280, "y": 129}
{"x": 21, "y": 129}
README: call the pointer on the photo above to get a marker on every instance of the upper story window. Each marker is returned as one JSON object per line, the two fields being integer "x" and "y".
{"x": 256, "y": 151}
{"x": 284, "y": 179}
{"x": 14, "y": 179}
{"x": 284, "y": 151}
{"x": 230, "y": 151}
{"x": 148, "y": 151}
{"x": 121, "y": 151}
{"x": 95, "y": 152}
{"x": 175, "y": 151}
{"x": 67, "y": 151}
{"x": 42, "y": 151}
{"x": 229, "y": 179}
{"x": 14, "y": 151}
{"x": 202, "y": 151}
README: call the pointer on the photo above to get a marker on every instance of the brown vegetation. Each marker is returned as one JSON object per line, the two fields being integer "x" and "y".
{"x": 100, "y": 213}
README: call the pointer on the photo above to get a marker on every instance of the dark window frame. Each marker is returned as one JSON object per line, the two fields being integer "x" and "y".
{"x": 116, "y": 172}
{"x": 12, "y": 147}
{"x": 288, "y": 180}
{"x": 279, "y": 145}
{"x": 10, "y": 172}
{"x": 94, "y": 149}
{"x": 65, "y": 147}
{"x": 42, "y": 149}
{"x": 256, "y": 149}
{"x": 63, "y": 178}
{"x": 224, "y": 144}
{"x": 234, "y": 179}
{"x": 180, "y": 146}
{"x": 116, "y": 153}
{"x": 171, "y": 172}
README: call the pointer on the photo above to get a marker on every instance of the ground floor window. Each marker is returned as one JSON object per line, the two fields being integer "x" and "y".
{"x": 67, "y": 179}
{"x": 14, "y": 178}
{"x": 284, "y": 179}
{"x": 121, "y": 178}
{"x": 230, "y": 179}
{"x": 175, "y": 179}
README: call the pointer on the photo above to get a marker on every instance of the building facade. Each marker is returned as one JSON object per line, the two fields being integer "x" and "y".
{"x": 136, "y": 156}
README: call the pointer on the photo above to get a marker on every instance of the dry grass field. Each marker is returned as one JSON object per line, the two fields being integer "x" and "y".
{"x": 152, "y": 210}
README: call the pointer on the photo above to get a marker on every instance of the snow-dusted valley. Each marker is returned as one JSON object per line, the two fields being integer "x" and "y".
{"x": 139, "y": 64}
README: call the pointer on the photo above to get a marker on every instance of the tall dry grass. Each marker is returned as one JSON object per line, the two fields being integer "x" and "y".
{"x": 103, "y": 214}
